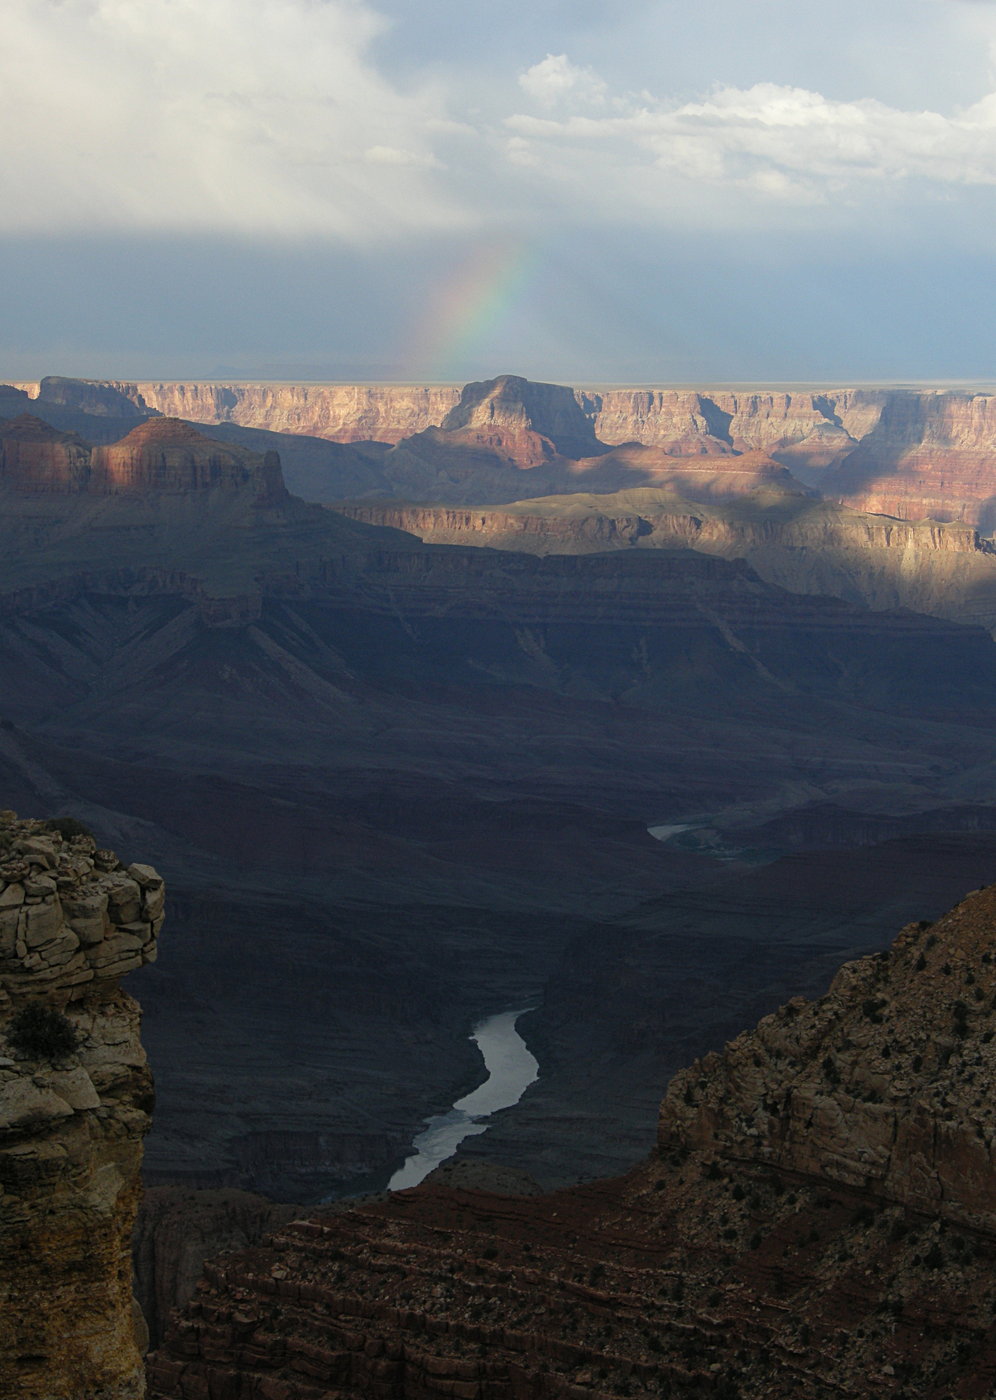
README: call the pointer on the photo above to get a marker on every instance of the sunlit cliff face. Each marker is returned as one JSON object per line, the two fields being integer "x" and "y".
{"x": 165, "y": 454}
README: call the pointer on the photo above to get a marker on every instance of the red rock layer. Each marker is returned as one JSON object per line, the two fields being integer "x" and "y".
{"x": 37, "y": 457}
{"x": 160, "y": 454}
{"x": 163, "y": 454}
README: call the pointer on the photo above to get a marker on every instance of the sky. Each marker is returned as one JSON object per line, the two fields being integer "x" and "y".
{"x": 736, "y": 190}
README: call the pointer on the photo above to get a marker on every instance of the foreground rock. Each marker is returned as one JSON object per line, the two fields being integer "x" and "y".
{"x": 819, "y": 1220}
{"x": 75, "y": 1097}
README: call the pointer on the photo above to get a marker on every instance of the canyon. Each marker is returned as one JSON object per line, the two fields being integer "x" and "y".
{"x": 817, "y": 1220}
{"x": 398, "y": 782}
{"x": 405, "y": 785}
{"x": 909, "y": 453}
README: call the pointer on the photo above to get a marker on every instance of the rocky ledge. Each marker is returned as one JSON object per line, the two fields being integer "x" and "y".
{"x": 75, "y": 1098}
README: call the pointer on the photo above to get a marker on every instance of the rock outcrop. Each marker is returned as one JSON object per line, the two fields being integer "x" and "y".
{"x": 882, "y": 1084}
{"x": 165, "y": 454}
{"x": 75, "y": 1098}
{"x": 37, "y": 457}
{"x": 903, "y": 452}
{"x": 158, "y": 455}
{"x": 101, "y": 399}
{"x": 794, "y": 541}
{"x": 178, "y": 1229}
{"x": 516, "y": 410}
{"x": 930, "y": 453}
{"x": 339, "y": 412}
{"x": 819, "y": 1221}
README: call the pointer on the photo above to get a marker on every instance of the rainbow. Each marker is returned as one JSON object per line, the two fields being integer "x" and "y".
{"x": 477, "y": 297}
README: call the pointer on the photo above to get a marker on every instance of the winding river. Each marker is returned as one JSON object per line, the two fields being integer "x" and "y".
{"x": 511, "y": 1069}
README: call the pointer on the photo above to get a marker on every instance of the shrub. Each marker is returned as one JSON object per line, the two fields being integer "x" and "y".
{"x": 68, "y": 827}
{"x": 42, "y": 1033}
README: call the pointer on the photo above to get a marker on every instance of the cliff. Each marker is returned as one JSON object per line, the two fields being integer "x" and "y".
{"x": 164, "y": 454}
{"x": 887, "y": 1090}
{"x": 158, "y": 455}
{"x": 75, "y": 1097}
{"x": 37, "y": 457}
{"x": 339, "y": 412}
{"x": 902, "y": 452}
{"x": 515, "y": 410}
{"x": 930, "y": 453}
{"x": 819, "y": 1221}
{"x": 796, "y": 542}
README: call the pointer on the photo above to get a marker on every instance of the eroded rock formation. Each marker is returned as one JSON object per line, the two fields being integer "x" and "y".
{"x": 75, "y": 1098}
{"x": 339, "y": 412}
{"x": 902, "y": 452}
{"x": 798, "y": 542}
{"x": 178, "y": 1229}
{"x": 819, "y": 1221}
{"x": 165, "y": 454}
{"x": 37, "y": 457}
{"x": 159, "y": 454}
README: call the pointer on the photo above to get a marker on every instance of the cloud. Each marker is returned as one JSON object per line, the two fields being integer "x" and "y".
{"x": 780, "y": 143}
{"x": 556, "y": 80}
{"x": 247, "y": 115}
{"x": 277, "y": 118}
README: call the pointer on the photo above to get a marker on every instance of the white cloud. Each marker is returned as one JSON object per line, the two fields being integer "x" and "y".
{"x": 777, "y": 142}
{"x": 263, "y": 116}
{"x": 556, "y": 80}
{"x": 272, "y": 117}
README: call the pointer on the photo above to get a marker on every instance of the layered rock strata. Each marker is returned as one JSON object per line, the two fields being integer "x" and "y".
{"x": 159, "y": 454}
{"x": 339, "y": 412}
{"x": 819, "y": 1221}
{"x": 805, "y": 545}
{"x": 907, "y": 453}
{"x": 75, "y": 1099}
{"x": 178, "y": 1229}
{"x": 37, "y": 457}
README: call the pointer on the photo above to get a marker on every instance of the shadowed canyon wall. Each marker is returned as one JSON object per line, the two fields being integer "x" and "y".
{"x": 818, "y": 1221}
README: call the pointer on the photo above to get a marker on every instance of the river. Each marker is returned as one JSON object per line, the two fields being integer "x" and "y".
{"x": 511, "y": 1069}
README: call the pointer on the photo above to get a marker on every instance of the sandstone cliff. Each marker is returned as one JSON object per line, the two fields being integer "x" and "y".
{"x": 902, "y": 452}
{"x": 340, "y": 412}
{"x": 164, "y": 454}
{"x": 930, "y": 453}
{"x": 819, "y": 1221}
{"x": 517, "y": 407}
{"x": 159, "y": 455}
{"x": 796, "y": 542}
{"x": 75, "y": 1097}
{"x": 178, "y": 1229}
{"x": 37, "y": 457}
{"x": 882, "y": 1084}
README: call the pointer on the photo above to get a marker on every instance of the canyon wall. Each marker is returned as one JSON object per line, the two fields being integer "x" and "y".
{"x": 339, "y": 412}
{"x": 158, "y": 454}
{"x": 909, "y": 453}
{"x": 818, "y": 1223}
{"x": 805, "y": 545}
{"x": 75, "y": 1098}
